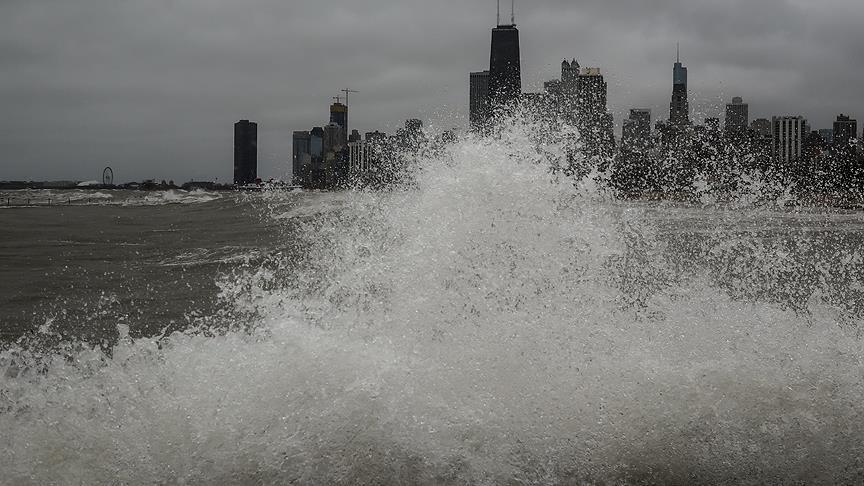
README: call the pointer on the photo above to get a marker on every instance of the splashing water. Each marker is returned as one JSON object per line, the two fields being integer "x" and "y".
{"x": 492, "y": 324}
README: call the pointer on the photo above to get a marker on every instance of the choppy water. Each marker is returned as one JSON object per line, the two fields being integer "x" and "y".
{"x": 491, "y": 325}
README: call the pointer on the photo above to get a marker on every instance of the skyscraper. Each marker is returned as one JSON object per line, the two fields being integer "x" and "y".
{"x": 505, "y": 69}
{"x": 737, "y": 118}
{"x": 339, "y": 116}
{"x": 478, "y": 112}
{"x": 301, "y": 160}
{"x": 569, "y": 90}
{"x": 679, "y": 109}
{"x": 359, "y": 156}
{"x": 334, "y": 138}
{"x": 762, "y": 127}
{"x": 245, "y": 152}
{"x": 316, "y": 143}
{"x": 637, "y": 129}
{"x": 570, "y": 71}
{"x": 845, "y": 132}
{"x": 787, "y": 138}
{"x": 592, "y": 119}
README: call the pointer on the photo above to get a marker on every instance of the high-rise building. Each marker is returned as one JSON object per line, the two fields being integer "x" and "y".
{"x": 316, "y": 142}
{"x": 334, "y": 138}
{"x": 505, "y": 68}
{"x": 301, "y": 159}
{"x": 637, "y": 129}
{"x": 359, "y": 156}
{"x": 845, "y": 132}
{"x": 787, "y": 138}
{"x": 570, "y": 71}
{"x": 679, "y": 109}
{"x": 569, "y": 90}
{"x": 761, "y": 139}
{"x": 737, "y": 118}
{"x": 339, "y": 114}
{"x": 592, "y": 119}
{"x": 245, "y": 152}
{"x": 827, "y": 134}
{"x": 376, "y": 137}
{"x": 592, "y": 92}
{"x": 762, "y": 127}
{"x": 478, "y": 112}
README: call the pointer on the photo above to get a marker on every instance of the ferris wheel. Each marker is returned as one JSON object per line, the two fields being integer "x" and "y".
{"x": 108, "y": 176}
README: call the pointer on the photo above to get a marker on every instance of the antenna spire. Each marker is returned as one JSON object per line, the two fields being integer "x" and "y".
{"x": 678, "y": 52}
{"x": 498, "y": 13}
{"x": 512, "y": 12}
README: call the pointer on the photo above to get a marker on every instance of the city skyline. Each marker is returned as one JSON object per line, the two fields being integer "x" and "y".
{"x": 95, "y": 105}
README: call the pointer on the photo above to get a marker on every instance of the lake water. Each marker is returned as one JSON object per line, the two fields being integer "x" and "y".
{"x": 490, "y": 325}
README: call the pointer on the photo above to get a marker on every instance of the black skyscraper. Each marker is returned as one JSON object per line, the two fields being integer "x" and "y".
{"x": 679, "y": 109}
{"x": 245, "y": 152}
{"x": 505, "y": 70}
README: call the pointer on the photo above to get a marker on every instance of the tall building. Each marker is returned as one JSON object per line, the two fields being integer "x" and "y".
{"x": 334, "y": 138}
{"x": 679, "y": 109}
{"x": 762, "y": 127}
{"x": 376, "y": 137}
{"x": 592, "y": 118}
{"x": 505, "y": 68}
{"x": 316, "y": 142}
{"x": 761, "y": 139}
{"x": 478, "y": 112}
{"x": 845, "y": 132}
{"x": 637, "y": 129}
{"x": 359, "y": 156}
{"x": 301, "y": 160}
{"x": 569, "y": 90}
{"x": 737, "y": 118}
{"x": 787, "y": 138}
{"x": 339, "y": 114}
{"x": 570, "y": 71}
{"x": 245, "y": 152}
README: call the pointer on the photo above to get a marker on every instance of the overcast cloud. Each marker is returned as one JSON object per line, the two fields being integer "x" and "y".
{"x": 153, "y": 87}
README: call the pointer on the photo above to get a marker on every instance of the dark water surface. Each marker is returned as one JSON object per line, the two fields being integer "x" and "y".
{"x": 145, "y": 260}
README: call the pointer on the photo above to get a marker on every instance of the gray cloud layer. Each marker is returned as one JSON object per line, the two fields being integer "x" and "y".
{"x": 152, "y": 87}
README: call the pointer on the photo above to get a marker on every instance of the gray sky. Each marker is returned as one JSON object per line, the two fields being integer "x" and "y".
{"x": 153, "y": 87}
